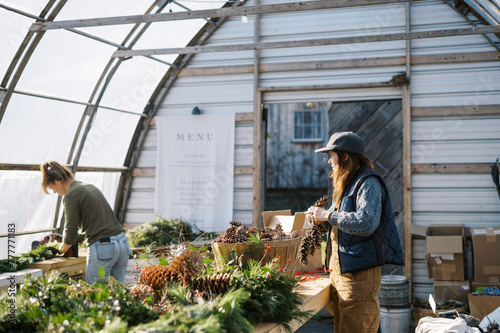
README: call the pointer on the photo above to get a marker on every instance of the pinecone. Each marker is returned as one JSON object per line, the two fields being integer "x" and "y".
{"x": 141, "y": 291}
{"x": 322, "y": 202}
{"x": 211, "y": 285}
{"x": 188, "y": 264}
{"x": 306, "y": 248}
{"x": 312, "y": 239}
{"x": 295, "y": 234}
{"x": 252, "y": 230}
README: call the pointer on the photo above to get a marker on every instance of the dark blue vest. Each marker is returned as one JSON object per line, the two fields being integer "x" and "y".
{"x": 381, "y": 247}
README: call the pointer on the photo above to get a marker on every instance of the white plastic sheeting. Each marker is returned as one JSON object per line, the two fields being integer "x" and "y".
{"x": 25, "y": 205}
{"x": 66, "y": 68}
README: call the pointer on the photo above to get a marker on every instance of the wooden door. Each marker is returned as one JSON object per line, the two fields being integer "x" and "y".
{"x": 380, "y": 124}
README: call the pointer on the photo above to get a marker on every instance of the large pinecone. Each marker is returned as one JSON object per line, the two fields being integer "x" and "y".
{"x": 211, "y": 285}
{"x": 312, "y": 240}
{"x": 141, "y": 291}
{"x": 187, "y": 265}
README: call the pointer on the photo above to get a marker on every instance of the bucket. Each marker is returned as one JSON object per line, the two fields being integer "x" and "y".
{"x": 394, "y": 291}
{"x": 395, "y": 320}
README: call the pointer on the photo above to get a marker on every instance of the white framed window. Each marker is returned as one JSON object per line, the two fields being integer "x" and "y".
{"x": 308, "y": 125}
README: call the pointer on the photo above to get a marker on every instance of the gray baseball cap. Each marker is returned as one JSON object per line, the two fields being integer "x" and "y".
{"x": 348, "y": 142}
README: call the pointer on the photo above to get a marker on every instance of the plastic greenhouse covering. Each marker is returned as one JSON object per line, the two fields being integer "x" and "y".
{"x": 56, "y": 81}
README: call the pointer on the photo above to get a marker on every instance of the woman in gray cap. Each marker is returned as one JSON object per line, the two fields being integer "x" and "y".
{"x": 362, "y": 234}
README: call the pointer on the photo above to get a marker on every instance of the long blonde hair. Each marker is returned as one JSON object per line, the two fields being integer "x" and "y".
{"x": 348, "y": 165}
{"x": 52, "y": 171}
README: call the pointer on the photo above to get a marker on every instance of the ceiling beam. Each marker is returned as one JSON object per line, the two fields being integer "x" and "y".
{"x": 36, "y": 167}
{"x": 211, "y": 13}
{"x": 311, "y": 42}
{"x": 342, "y": 63}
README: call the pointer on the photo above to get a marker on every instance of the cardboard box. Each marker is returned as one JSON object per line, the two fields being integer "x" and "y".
{"x": 444, "y": 251}
{"x": 485, "y": 244}
{"x": 478, "y": 302}
{"x": 289, "y": 223}
{"x": 451, "y": 290}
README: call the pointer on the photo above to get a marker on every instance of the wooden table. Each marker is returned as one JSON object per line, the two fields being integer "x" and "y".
{"x": 315, "y": 296}
{"x": 71, "y": 266}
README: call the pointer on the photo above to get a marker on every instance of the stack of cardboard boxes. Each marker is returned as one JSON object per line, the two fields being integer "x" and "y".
{"x": 445, "y": 258}
{"x": 486, "y": 258}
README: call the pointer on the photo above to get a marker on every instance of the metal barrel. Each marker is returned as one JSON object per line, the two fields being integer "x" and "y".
{"x": 394, "y": 291}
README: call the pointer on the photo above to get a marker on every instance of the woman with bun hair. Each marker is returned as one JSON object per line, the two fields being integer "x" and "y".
{"x": 362, "y": 235}
{"x": 86, "y": 209}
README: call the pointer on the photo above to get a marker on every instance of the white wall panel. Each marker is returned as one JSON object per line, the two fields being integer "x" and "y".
{"x": 436, "y": 15}
{"x": 243, "y": 216}
{"x": 233, "y": 31}
{"x": 243, "y": 156}
{"x": 470, "y": 200}
{"x": 139, "y": 216}
{"x": 456, "y": 84}
{"x": 453, "y": 201}
{"x": 212, "y": 89}
{"x": 456, "y": 128}
{"x": 243, "y": 181}
{"x": 147, "y": 158}
{"x": 333, "y": 23}
{"x": 151, "y": 138}
{"x": 236, "y": 107}
{"x": 438, "y": 151}
{"x": 329, "y": 77}
{"x": 244, "y": 135}
{"x": 141, "y": 200}
{"x": 243, "y": 200}
{"x": 143, "y": 183}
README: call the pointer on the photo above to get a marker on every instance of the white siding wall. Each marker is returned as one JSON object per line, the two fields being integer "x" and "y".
{"x": 438, "y": 198}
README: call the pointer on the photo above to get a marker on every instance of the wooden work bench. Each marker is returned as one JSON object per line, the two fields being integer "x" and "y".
{"x": 315, "y": 296}
{"x": 74, "y": 267}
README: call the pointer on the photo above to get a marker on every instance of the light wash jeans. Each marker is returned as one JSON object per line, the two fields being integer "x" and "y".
{"x": 112, "y": 256}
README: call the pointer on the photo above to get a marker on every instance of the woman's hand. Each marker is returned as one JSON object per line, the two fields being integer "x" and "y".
{"x": 317, "y": 214}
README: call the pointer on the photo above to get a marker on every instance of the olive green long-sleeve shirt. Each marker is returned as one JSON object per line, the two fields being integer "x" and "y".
{"x": 86, "y": 208}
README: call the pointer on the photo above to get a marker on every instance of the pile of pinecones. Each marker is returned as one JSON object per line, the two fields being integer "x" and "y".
{"x": 239, "y": 233}
{"x": 154, "y": 278}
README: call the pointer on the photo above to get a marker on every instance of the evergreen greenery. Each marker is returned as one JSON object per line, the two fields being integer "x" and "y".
{"x": 161, "y": 232}
{"x": 17, "y": 263}
{"x": 54, "y": 303}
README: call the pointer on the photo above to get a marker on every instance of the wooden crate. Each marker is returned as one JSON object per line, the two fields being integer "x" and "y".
{"x": 285, "y": 248}
{"x": 71, "y": 266}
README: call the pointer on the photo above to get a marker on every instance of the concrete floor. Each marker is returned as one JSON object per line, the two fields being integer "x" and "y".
{"x": 322, "y": 322}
